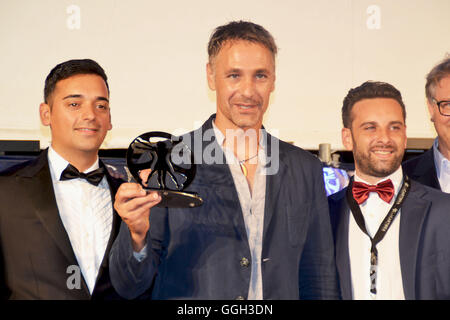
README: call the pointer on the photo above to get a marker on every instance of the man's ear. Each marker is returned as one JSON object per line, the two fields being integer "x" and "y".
{"x": 347, "y": 140}
{"x": 431, "y": 110}
{"x": 45, "y": 113}
{"x": 211, "y": 76}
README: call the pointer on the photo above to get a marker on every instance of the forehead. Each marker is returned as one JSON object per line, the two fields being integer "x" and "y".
{"x": 82, "y": 84}
{"x": 382, "y": 110}
{"x": 244, "y": 54}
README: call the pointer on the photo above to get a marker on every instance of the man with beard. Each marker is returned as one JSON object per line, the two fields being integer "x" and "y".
{"x": 391, "y": 233}
{"x": 260, "y": 233}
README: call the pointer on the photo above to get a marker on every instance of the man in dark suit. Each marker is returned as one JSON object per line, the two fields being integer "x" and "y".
{"x": 433, "y": 167}
{"x": 391, "y": 233}
{"x": 263, "y": 230}
{"x": 56, "y": 224}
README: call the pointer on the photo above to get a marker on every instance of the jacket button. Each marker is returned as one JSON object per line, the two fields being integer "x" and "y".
{"x": 240, "y": 298}
{"x": 244, "y": 262}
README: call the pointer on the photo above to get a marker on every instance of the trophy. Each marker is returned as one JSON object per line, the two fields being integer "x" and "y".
{"x": 169, "y": 165}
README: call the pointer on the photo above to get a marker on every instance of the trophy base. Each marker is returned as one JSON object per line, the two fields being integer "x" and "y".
{"x": 177, "y": 199}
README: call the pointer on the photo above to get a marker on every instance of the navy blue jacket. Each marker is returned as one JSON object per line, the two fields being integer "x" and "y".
{"x": 424, "y": 242}
{"x": 196, "y": 253}
{"x": 423, "y": 169}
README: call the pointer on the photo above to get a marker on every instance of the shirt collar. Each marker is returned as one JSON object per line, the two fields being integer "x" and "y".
{"x": 57, "y": 164}
{"x": 220, "y": 138}
{"x": 396, "y": 178}
{"x": 439, "y": 160}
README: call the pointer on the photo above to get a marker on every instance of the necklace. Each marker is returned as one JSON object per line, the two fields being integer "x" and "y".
{"x": 243, "y": 167}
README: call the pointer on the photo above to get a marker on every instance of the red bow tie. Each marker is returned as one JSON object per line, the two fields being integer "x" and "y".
{"x": 384, "y": 189}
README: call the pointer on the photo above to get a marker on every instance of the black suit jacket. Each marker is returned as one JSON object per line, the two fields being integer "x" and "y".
{"x": 35, "y": 250}
{"x": 423, "y": 169}
{"x": 424, "y": 242}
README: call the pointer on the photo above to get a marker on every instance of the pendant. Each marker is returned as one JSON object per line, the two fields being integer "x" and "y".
{"x": 244, "y": 169}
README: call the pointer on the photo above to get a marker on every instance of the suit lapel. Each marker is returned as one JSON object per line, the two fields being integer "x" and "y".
{"x": 413, "y": 214}
{"x": 113, "y": 186}
{"x": 274, "y": 185}
{"x": 342, "y": 249}
{"x": 425, "y": 171}
{"x": 40, "y": 192}
{"x": 218, "y": 175}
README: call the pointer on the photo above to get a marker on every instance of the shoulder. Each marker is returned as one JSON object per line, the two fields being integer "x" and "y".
{"x": 15, "y": 169}
{"x": 426, "y": 158}
{"x": 336, "y": 200}
{"x": 26, "y": 168}
{"x": 291, "y": 152}
{"x": 438, "y": 198}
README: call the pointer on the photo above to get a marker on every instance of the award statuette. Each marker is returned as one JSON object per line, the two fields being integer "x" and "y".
{"x": 172, "y": 168}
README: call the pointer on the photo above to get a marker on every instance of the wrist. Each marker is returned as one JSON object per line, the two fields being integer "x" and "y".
{"x": 138, "y": 241}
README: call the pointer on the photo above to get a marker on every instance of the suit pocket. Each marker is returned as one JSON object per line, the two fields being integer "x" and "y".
{"x": 297, "y": 221}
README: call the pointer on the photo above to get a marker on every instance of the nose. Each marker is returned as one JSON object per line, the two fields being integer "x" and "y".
{"x": 88, "y": 112}
{"x": 384, "y": 135}
{"x": 247, "y": 87}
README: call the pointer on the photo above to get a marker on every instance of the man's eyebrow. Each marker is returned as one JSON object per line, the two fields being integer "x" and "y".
{"x": 102, "y": 99}
{"x": 234, "y": 70}
{"x": 80, "y": 96}
{"x": 374, "y": 123}
{"x": 397, "y": 122}
{"x": 368, "y": 123}
{"x": 73, "y": 96}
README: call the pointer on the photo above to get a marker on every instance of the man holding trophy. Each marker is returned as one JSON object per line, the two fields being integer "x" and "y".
{"x": 262, "y": 230}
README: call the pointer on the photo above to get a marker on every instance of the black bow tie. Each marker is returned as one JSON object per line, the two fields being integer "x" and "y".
{"x": 94, "y": 177}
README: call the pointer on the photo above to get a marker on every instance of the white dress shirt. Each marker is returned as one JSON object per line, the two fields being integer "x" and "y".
{"x": 86, "y": 213}
{"x": 389, "y": 282}
{"x": 442, "y": 168}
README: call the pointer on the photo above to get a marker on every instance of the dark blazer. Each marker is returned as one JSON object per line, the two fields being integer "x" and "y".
{"x": 424, "y": 242}
{"x": 423, "y": 169}
{"x": 198, "y": 253}
{"x": 35, "y": 250}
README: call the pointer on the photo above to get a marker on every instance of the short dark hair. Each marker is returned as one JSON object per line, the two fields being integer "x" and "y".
{"x": 71, "y": 68}
{"x": 369, "y": 90}
{"x": 240, "y": 30}
{"x": 440, "y": 71}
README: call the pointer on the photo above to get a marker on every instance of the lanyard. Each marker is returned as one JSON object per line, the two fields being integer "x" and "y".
{"x": 382, "y": 230}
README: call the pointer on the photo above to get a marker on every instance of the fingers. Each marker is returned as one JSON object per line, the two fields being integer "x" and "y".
{"x": 133, "y": 205}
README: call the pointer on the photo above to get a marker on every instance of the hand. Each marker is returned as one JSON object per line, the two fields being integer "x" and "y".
{"x": 133, "y": 205}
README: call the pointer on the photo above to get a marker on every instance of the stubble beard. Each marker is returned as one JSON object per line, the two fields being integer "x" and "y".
{"x": 370, "y": 166}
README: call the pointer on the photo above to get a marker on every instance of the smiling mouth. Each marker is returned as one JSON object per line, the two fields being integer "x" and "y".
{"x": 246, "y": 106}
{"x": 87, "y": 130}
{"x": 383, "y": 153}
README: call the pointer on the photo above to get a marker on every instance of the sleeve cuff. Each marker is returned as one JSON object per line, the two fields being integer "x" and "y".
{"x": 141, "y": 255}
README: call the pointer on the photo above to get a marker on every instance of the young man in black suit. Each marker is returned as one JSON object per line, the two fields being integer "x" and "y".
{"x": 57, "y": 222}
{"x": 433, "y": 167}
{"x": 391, "y": 233}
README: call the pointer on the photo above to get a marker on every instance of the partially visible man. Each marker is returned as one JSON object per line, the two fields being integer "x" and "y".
{"x": 391, "y": 233}
{"x": 57, "y": 222}
{"x": 263, "y": 230}
{"x": 433, "y": 167}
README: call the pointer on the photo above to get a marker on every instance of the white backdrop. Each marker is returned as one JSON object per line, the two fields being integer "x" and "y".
{"x": 154, "y": 53}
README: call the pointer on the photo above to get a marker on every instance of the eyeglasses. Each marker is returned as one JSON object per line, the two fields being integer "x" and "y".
{"x": 443, "y": 106}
